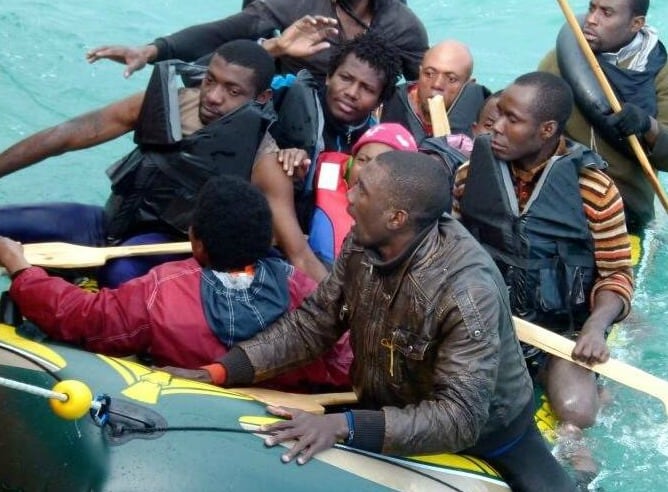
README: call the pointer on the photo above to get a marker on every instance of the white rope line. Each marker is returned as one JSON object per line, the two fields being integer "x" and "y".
{"x": 36, "y": 390}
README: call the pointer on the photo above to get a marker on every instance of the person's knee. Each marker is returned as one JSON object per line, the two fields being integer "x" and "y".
{"x": 578, "y": 413}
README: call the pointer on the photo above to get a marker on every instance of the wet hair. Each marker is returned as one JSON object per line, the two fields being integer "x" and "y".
{"x": 639, "y": 7}
{"x": 416, "y": 183}
{"x": 233, "y": 220}
{"x": 378, "y": 52}
{"x": 249, "y": 54}
{"x": 554, "y": 99}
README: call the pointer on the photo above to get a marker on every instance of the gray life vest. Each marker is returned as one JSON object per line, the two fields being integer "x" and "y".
{"x": 461, "y": 115}
{"x": 155, "y": 186}
{"x": 546, "y": 253}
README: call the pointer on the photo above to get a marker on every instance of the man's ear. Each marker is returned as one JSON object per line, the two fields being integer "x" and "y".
{"x": 199, "y": 251}
{"x": 637, "y": 23}
{"x": 548, "y": 129}
{"x": 397, "y": 220}
{"x": 264, "y": 96}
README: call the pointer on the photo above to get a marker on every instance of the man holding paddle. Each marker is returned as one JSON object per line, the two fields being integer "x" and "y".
{"x": 184, "y": 313}
{"x": 554, "y": 223}
{"x": 634, "y": 61}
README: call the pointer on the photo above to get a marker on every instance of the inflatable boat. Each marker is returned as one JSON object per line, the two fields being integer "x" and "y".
{"x": 165, "y": 433}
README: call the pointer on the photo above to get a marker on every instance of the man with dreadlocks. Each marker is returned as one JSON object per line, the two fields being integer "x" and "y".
{"x": 327, "y": 22}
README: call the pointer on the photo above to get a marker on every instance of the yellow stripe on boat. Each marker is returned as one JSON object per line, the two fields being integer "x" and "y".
{"x": 636, "y": 248}
{"x": 148, "y": 385}
{"x": 9, "y": 338}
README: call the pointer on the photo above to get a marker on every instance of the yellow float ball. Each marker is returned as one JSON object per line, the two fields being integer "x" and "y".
{"x": 78, "y": 401}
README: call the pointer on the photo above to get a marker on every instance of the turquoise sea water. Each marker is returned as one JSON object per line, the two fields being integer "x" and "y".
{"x": 45, "y": 79}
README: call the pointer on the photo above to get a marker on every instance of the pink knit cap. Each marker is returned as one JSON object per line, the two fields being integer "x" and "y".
{"x": 392, "y": 134}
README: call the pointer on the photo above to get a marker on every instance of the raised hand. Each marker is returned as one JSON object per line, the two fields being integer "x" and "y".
{"x": 304, "y": 37}
{"x": 135, "y": 58}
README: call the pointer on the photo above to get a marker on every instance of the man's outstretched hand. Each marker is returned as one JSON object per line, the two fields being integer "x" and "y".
{"x": 134, "y": 58}
{"x": 311, "y": 433}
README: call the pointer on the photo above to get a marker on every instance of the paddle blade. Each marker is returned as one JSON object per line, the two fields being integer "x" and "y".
{"x": 66, "y": 255}
{"x": 63, "y": 255}
{"x": 308, "y": 403}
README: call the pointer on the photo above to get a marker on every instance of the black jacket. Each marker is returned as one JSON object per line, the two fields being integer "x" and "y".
{"x": 263, "y": 17}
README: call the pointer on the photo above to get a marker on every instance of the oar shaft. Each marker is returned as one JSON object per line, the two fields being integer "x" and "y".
{"x": 148, "y": 249}
{"x": 616, "y": 370}
{"x": 612, "y": 99}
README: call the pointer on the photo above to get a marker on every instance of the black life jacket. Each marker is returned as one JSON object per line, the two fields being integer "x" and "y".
{"x": 155, "y": 186}
{"x": 462, "y": 113}
{"x": 304, "y": 123}
{"x": 299, "y": 124}
{"x": 546, "y": 254}
{"x": 450, "y": 157}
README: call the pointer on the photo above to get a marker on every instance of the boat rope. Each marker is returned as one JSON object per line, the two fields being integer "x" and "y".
{"x": 43, "y": 392}
{"x": 393, "y": 461}
{"x": 34, "y": 390}
{"x": 103, "y": 411}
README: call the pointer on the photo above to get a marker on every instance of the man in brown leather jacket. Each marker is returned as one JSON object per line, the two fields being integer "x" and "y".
{"x": 437, "y": 366}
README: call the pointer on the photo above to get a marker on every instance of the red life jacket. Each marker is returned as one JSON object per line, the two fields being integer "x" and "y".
{"x": 330, "y": 222}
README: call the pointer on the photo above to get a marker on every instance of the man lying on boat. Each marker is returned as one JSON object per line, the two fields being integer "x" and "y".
{"x": 554, "y": 223}
{"x": 185, "y": 313}
{"x": 184, "y": 136}
{"x": 437, "y": 366}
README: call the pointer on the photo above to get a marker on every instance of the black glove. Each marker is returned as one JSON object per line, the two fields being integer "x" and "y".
{"x": 631, "y": 120}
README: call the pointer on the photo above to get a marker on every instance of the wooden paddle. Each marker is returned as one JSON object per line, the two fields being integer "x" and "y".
{"x": 439, "y": 116}
{"x": 527, "y": 332}
{"x": 65, "y": 255}
{"x": 616, "y": 370}
{"x": 612, "y": 100}
{"x": 309, "y": 403}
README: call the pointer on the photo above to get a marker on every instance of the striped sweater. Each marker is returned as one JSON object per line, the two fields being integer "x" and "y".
{"x": 604, "y": 210}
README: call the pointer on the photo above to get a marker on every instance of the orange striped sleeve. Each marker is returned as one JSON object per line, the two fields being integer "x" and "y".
{"x": 604, "y": 210}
